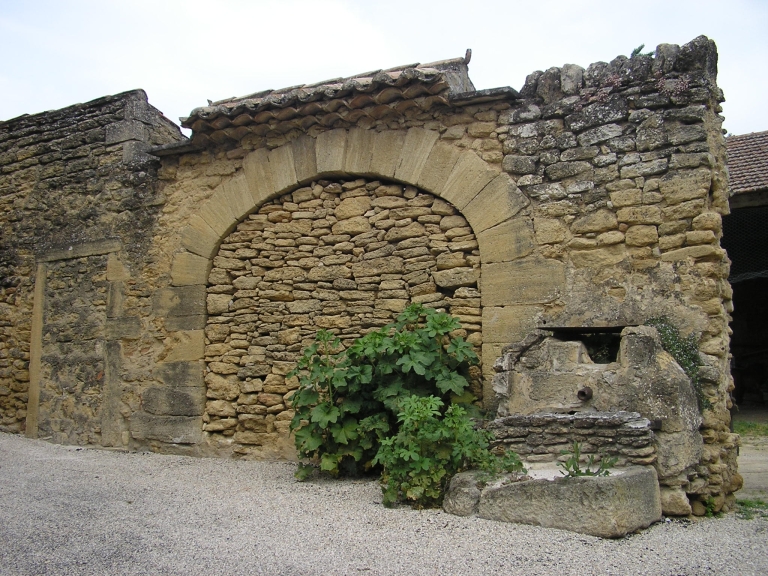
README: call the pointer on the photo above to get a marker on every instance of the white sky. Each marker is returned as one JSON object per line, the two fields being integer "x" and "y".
{"x": 61, "y": 52}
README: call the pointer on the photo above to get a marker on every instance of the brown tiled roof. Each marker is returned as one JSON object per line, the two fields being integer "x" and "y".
{"x": 748, "y": 162}
{"x": 376, "y": 95}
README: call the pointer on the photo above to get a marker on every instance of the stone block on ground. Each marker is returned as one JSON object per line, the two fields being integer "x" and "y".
{"x": 605, "y": 506}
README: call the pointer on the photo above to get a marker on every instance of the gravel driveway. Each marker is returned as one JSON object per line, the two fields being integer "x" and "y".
{"x": 68, "y": 510}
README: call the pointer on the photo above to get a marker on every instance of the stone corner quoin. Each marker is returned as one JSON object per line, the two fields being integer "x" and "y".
{"x": 156, "y": 290}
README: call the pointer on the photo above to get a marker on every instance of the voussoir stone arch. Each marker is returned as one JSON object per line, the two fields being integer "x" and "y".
{"x": 486, "y": 197}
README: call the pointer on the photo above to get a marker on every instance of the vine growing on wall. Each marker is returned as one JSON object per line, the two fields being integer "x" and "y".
{"x": 685, "y": 351}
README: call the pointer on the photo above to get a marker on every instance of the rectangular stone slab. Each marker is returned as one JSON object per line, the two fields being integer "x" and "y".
{"x": 606, "y": 506}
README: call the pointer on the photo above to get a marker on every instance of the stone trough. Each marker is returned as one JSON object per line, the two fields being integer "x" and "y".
{"x": 606, "y": 506}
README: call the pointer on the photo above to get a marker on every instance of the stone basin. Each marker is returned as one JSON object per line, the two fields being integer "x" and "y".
{"x": 607, "y": 506}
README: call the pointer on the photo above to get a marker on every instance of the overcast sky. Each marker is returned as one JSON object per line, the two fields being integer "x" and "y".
{"x": 183, "y": 52}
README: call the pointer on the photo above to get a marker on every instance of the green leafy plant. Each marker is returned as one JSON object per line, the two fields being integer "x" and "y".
{"x": 685, "y": 351}
{"x": 429, "y": 448}
{"x": 571, "y": 468}
{"x": 639, "y": 52}
{"x": 348, "y": 400}
{"x": 749, "y": 509}
{"x": 709, "y": 506}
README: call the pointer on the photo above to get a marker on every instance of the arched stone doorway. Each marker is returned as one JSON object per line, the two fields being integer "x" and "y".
{"x": 345, "y": 254}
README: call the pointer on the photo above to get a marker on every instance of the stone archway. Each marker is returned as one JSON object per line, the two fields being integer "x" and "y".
{"x": 516, "y": 280}
{"x": 346, "y": 255}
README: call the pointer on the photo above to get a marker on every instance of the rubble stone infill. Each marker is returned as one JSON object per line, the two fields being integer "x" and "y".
{"x": 345, "y": 256}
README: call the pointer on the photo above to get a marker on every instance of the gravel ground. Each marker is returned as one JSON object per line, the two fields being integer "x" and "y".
{"x": 69, "y": 510}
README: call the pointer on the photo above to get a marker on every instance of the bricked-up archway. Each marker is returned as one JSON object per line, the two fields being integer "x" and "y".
{"x": 345, "y": 255}
{"x": 517, "y": 282}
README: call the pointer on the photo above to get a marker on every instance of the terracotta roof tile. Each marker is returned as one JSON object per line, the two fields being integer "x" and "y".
{"x": 748, "y": 162}
{"x": 384, "y": 86}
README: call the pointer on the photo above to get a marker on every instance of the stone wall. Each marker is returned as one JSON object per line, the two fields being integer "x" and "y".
{"x": 67, "y": 178}
{"x": 594, "y": 195}
{"x": 627, "y": 436}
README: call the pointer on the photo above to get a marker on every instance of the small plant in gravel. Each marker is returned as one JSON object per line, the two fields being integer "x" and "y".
{"x": 348, "y": 400}
{"x": 431, "y": 446}
{"x": 571, "y": 468}
{"x": 749, "y": 509}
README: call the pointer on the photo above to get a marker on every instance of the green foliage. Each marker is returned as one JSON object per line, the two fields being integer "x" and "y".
{"x": 709, "y": 506}
{"x": 639, "y": 52}
{"x": 429, "y": 448}
{"x": 684, "y": 350}
{"x": 571, "y": 468}
{"x": 750, "y": 428}
{"x": 347, "y": 401}
{"x": 749, "y": 509}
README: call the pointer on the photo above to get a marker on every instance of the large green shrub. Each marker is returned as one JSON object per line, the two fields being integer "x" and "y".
{"x": 347, "y": 401}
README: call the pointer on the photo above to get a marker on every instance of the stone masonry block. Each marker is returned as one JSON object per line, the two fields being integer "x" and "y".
{"x": 258, "y": 175}
{"x": 414, "y": 154}
{"x": 490, "y": 353}
{"x": 359, "y": 151}
{"x": 174, "y": 401}
{"x": 304, "y": 160}
{"x": 330, "y": 150}
{"x": 237, "y": 195}
{"x": 386, "y": 152}
{"x": 470, "y": 175}
{"x": 505, "y": 324}
{"x": 189, "y": 269}
{"x": 683, "y": 186}
{"x": 438, "y": 167}
{"x": 185, "y": 345}
{"x": 528, "y": 281}
{"x": 218, "y": 214}
{"x": 180, "y": 374}
{"x": 606, "y": 506}
{"x": 180, "y": 301}
{"x": 503, "y": 196}
{"x": 169, "y": 429}
{"x": 199, "y": 238}
{"x": 126, "y": 130}
{"x": 506, "y": 242}
{"x": 174, "y": 323}
{"x": 282, "y": 168}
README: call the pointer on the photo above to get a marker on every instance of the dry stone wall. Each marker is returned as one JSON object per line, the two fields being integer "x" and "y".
{"x": 344, "y": 256}
{"x": 626, "y": 436}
